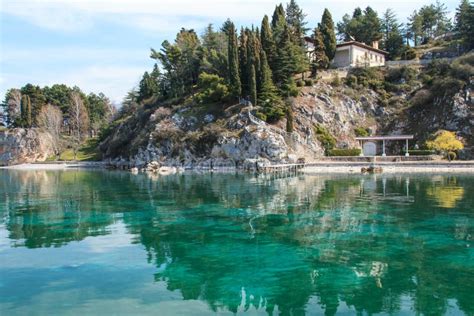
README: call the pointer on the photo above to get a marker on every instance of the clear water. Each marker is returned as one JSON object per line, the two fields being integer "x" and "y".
{"x": 102, "y": 243}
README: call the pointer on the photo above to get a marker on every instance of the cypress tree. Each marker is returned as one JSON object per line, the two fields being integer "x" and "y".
{"x": 267, "y": 41}
{"x": 289, "y": 119}
{"x": 243, "y": 64}
{"x": 233, "y": 62}
{"x": 253, "y": 85}
{"x": 319, "y": 58}
{"x": 328, "y": 34}
{"x": 295, "y": 18}
{"x": 26, "y": 111}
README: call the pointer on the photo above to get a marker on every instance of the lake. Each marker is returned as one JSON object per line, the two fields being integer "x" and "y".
{"x": 103, "y": 242}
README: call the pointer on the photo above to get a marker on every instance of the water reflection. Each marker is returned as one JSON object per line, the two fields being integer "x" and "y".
{"x": 362, "y": 243}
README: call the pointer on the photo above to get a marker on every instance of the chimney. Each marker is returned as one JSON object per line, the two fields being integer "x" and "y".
{"x": 375, "y": 44}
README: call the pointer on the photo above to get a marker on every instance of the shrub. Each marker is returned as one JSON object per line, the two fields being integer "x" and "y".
{"x": 445, "y": 141}
{"x": 324, "y": 137}
{"x": 368, "y": 77}
{"x": 352, "y": 81}
{"x": 344, "y": 152}
{"x": 261, "y": 116}
{"x": 451, "y": 155}
{"x": 420, "y": 152}
{"x": 336, "y": 81}
{"x": 300, "y": 83}
{"x": 422, "y": 97}
{"x": 213, "y": 88}
{"x": 309, "y": 82}
{"x": 361, "y": 132}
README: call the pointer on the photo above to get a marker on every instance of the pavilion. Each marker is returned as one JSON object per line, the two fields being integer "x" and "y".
{"x": 369, "y": 143}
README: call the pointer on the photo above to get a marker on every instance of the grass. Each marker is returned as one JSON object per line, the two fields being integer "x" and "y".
{"x": 87, "y": 152}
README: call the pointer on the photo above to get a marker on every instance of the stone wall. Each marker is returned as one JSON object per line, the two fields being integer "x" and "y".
{"x": 20, "y": 145}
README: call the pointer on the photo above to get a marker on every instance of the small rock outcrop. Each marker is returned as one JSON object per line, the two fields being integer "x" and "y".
{"x": 21, "y": 145}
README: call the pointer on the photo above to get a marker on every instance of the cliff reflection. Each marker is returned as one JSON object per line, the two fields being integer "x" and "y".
{"x": 373, "y": 243}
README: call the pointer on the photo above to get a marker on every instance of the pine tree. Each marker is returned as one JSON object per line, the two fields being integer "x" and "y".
{"x": 233, "y": 61}
{"x": 253, "y": 85}
{"x": 392, "y": 38}
{"x": 278, "y": 22}
{"x": 329, "y": 35}
{"x": 295, "y": 19}
{"x": 465, "y": 23}
{"x": 319, "y": 58}
{"x": 285, "y": 61}
{"x": 268, "y": 97}
{"x": 267, "y": 41}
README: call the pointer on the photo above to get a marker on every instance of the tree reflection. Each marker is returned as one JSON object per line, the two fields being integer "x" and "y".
{"x": 372, "y": 243}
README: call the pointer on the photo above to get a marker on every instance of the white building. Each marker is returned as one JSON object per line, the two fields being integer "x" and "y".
{"x": 353, "y": 54}
{"x": 357, "y": 54}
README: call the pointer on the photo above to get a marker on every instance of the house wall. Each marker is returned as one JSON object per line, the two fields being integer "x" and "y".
{"x": 365, "y": 57}
{"x": 355, "y": 56}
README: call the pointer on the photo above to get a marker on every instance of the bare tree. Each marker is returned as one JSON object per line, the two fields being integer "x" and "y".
{"x": 78, "y": 121}
{"x": 51, "y": 119}
{"x": 13, "y": 106}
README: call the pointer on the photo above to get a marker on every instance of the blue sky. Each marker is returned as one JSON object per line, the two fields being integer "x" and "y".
{"x": 104, "y": 45}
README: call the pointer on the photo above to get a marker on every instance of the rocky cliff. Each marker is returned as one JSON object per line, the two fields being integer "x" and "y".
{"x": 402, "y": 100}
{"x": 24, "y": 145}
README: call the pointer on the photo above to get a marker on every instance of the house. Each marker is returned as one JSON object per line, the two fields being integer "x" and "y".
{"x": 357, "y": 54}
{"x": 353, "y": 54}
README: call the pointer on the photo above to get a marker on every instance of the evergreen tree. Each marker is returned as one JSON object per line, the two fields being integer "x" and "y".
{"x": 278, "y": 22}
{"x": 253, "y": 85}
{"x": 26, "y": 118}
{"x": 284, "y": 62}
{"x": 392, "y": 39}
{"x": 295, "y": 19}
{"x": 363, "y": 26}
{"x": 328, "y": 34}
{"x": 243, "y": 64}
{"x": 267, "y": 41}
{"x": 415, "y": 27}
{"x": 37, "y": 100}
{"x": 268, "y": 97}
{"x": 289, "y": 119}
{"x": 319, "y": 58}
{"x": 465, "y": 23}
{"x": 233, "y": 61}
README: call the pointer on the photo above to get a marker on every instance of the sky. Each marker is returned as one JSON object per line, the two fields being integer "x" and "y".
{"x": 104, "y": 45}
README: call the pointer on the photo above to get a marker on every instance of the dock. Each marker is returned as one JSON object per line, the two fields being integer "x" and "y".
{"x": 282, "y": 168}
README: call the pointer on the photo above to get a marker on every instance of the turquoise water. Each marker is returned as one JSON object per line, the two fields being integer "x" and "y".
{"x": 101, "y": 243}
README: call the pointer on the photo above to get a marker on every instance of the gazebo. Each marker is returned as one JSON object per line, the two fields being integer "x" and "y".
{"x": 369, "y": 143}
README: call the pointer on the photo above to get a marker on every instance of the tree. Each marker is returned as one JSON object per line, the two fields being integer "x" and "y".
{"x": 289, "y": 119}
{"x": 364, "y": 26}
{"x": 233, "y": 61}
{"x": 392, "y": 39}
{"x": 58, "y": 95}
{"x": 243, "y": 63}
{"x": 50, "y": 118}
{"x": 78, "y": 121}
{"x": 415, "y": 27}
{"x": 319, "y": 58}
{"x": 285, "y": 66}
{"x": 12, "y": 107}
{"x": 100, "y": 111}
{"x": 37, "y": 100}
{"x": 213, "y": 88}
{"x": 268, "y": 97}
{"x": 26, "y": 118}
{"x": 328, "y": 34}
{"x": 267, "y": 41}
{"x": 278, "y": 22}
{"x": 295, "y": 19}
{"x": 445, "y": 142}
{"x": 253, "y": 85}
{"x": 465, "y": 23}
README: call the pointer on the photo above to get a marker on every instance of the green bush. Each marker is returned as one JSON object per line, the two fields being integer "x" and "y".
{"x": 420, "y": 152}
{"x": 324, "y": 137}
{"x": 213, "y": 88}
{"x": 261, "y": 116}
{"x": 352, "y": 81}
{"x": 300, "y": 83}
{"x": 368, "y": 77}
{"x": 349, "y": 152}
{"x": 361, "y": 132}
{"x": 309, "y": 82}
{"x": 336, "y": 81}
